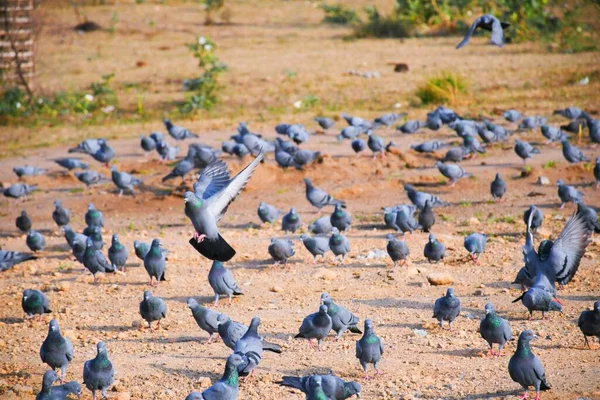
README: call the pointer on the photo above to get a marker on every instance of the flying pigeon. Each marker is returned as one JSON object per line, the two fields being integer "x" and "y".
{"x": 155, "y": 263}
{"x": 205, "y": 318}
{"x": 318, "y": 197}
{"x": 178, "y": 132}
{"x": 498, "y": 187}
{"x": 281, "y": 250}
{"x": 316, "y": 326}
{"x": 475, "y": 245}
{"x": 98, "y": 373}
{"x": 222, "y": 282}
{"x": 152, "y": 309}
{"x": 525, "y": 368}
{"x": 396, "y": 249}
{"x": 489, "y": 23}
{"x": 23, "y": 222}
{"x": 35, "y": 302}
{"x": 447, "y": 308}
{"x": 341, "y": 318}
{"x": 589, "y": 323}
{"x": 290, "y": 222}
{"x": 494, "y": 329}
{"x": 56, "y": 350}
{"x": 369, "y": 348}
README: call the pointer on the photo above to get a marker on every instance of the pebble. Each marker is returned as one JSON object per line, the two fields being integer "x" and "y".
{"x": 543, "y": 181}
{"x": 440, "y": 278}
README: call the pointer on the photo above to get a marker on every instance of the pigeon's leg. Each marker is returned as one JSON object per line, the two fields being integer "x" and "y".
{"x": 377, "y": 371}
{"x": 120, "y": 192}
{"x": 40, "y": 317}
{"x": 452, "y": 182}
{"x": 500, "y": 347}
{"x": 319, "y": 342}
{"x": 217, "y": 299}
{"x": 314, "y": 259}
{"x": 587, "y": 343}
{"x": 364, "y": 365}
{"x": 150, "y": 326}
{"x": 543, "y": 315}
{"x": 93, "y": 394}
{"x": 537, "y": 396}
{"x": 530, "y": 315}
{"x": 132, "y": 192}
{"x": 559, "y": 301}
{"x": 158, "y": 325}
{"x": 229, "y": 301}
{"x": 199, "y": 237}
{"x": 311, "y": 344}
{"x": 210, "y": 336}
{"x": 491, "y": 352}
{"x": 63, "y": 373}
{"x": 524, "y": 396}
{"x": 562, "y": 205}
{"x": 94, "y": 275}
{"x": 104, "y": 394}
{"x": 395, "y": 264}
{"x": 449, "y": 325}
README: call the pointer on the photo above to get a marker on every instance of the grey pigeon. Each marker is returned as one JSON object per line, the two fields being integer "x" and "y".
{"x": 340, "y": 218}
{"x": 157, "y": 136}
{"x": 88, "y": 146}
{"x": 58, "y": 392}
{"x": 433, "y": 121}
{"x": 552, "y": 133}
{"x": 78, "y": 247}
{"x": 570, "y": 113}
{"x": 455, "y": 154}
{"x": 369, "y": 349}
{"x": 23, "y": 222}
{"x": 419, "y": 198}
{"x": 94, "y": 261}
{"x": 281, "y": 250}
{"x": 98, "y": 373}
{"x": 532, "y": 122}
{"x": 358, "y": 145}
{"x": 512, "y": 116}
{"x": 60, "y": 215}
{"x": 201, "y": 155}
{"x": 406, "y": 222}
{"x": 182, "y": 168}
{"x": 148, "y": 144}
{"x": 290, "y": 222}
{"x": 390, "y": 214}
{"x": 453, "y": 172}
{"x": 206, "y": 210}
{"x": 325, "y": 123}
{"x": 498, "y": 187}
{"x": 524, "y": 279}
{"x": 396, "y": 249}
{"x": 227, "y": 146}
{"x": 589, "y": 323}
{"x": 35, "y": 302}
{"x": 8, "y": 259}
{"x": 117, "y": 253}
{"x": 94, "y": 232}
{"x": 357, "y": 121}
{"x": 318, "y": 197}
{"x": 56, "y": 350}
{"x": 539, "y": 297}
{"x": 568, "y": 194}
{"x": 267, "y": 212}
{"x": 71, "y": 163}
{"x": 254, "y": 144}
{"x": 141, "y": 249}
{"x": 166, "y": 152}
{"x": 571, "y": 153}
{"x": 317, "y": 246}
{"x": 341, "y": 319}
{"x": 494, "y": 329}
{"x": 525, "y": 150}
{"x": 104, "y": 154}
{"x": 388, "y": 119}
{"x": 123, "y": 180}
{"x": 349, "y": 132}
{"x": 227, "y": 388}
{"x": 375, "y": 144}
{"x": 178, "y": 132}
{"x": 489, "y": 23}
{"x": 339, "y": 244}
{"x": 594, "y": 130}
{"x": 525, "y": 368}
{"x": 19, "y": 190}
{"x": 285, "y": 146}
{"x": 71, "y": 235}
{"x": 411, "y": 126}
{"x": 434, "y": 250}
{"x": 298, "y": 133}
{"x": 321, "y": 225}
{"x": 152, "y": 309}
{"x": 333, "y": 387}
{"x": 305, "y": 157}
{"x": 426, "y": 217}
{"x": 222, "y": 282}
{"x": 472, "y": 145}
{"x": 283, "y": 158}
{"x": 35, "y": 241}
{"x": 597, "y": 172}
{"x": 427, "y": 147}
{"x": 315, "y": 388}
{"x": 475, "y": 245}
{"x": 93, "y": 216}
{"x": 155, "y": 263}
{"x": 240, "y": 150}
{"x": 316, "y": 326}
{"x": 28, "y": 170}
{"x": 205, "y": 318}
{"x": 590, "y": 216}
{"x": 537, "y": 220}
{"x": 250, "y": 348}
{"x": 229, "y": 330}
{"x": 447, "y": 308}
{"x": 90, "y": 177}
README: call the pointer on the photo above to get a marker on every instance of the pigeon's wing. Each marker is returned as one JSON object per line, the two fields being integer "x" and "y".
{"x": 218, "y": 203}
{"x": 380, "y": 345}
{"x": 216, "y": 391}
{"x": 214, "y": 178}
{"x": 230, "y": 282}
{"x": 529, "y": 255}
{"x": 211, "y": 320}
{"x": 436, "y": 307}
{"x": 568, "y": 249}
{"x": 469, "y": 34}
{"x": 497, "y": 36}
{"x": 69, "y": 346}
{"x": 538, "y": 368}
{"x": 358, "y": 349}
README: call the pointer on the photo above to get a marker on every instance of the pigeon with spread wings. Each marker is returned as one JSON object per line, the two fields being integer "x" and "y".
{"x": 489, "y": 23}
{"x": 212, "y": 194}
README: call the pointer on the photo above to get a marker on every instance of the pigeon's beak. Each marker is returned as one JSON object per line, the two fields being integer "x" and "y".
{"x": 358, "y": 395}
{"x": 487, "y": 311}
{"x": 25, "y": 298}
{"x": 185, "y": 200}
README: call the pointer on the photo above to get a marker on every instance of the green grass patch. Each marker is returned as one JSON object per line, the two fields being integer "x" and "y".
{"x": 550, "y": 164}
{"x": 445, "y": 88}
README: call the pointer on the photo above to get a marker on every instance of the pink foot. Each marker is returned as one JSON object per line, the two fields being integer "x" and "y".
{"x": 199, "y": 238}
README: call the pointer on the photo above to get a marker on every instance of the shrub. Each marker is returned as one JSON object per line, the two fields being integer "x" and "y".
{"x": 389, "y": 26}
{"x": 445, "y": 88}
{"x": 211, "y": 6}
{"x": 338, "y": 14}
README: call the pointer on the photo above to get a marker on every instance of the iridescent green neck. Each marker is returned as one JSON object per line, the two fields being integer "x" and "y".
{"x": 231, "y": 376}
{"x": 523, "y": 349}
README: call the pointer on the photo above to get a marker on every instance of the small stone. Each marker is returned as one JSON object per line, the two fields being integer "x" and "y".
{"x": 440, "y": 278}
{"x": 543, "y": 181}
{"x": 473, "y": 221}
{"x": 276, "y": 289}
{"x": 204, "y": 382}
{"x": 326, "y": 274}
{"x": 137, "y": 324}
{"x": 420, "y": 332}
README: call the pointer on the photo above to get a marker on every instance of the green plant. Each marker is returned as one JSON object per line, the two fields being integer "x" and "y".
{"x": 446, "y": 88}
{"x": 550, "y": 164}
{"x": 390, "y": 26}
{"x": 339, "y": 14}
{"x": 211, "y": 6}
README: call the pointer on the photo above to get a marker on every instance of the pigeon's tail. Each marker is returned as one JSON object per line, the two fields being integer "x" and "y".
{"x": 162, "y": 278}
{"x": 291, "y": 381}
{"x": 519, "y": 298}
{"x": 544, "y": 385}
{"x": 238, "y": 292}
{"x": 354, "y": 329}
{"x": 298, "y": 336}
{"x": 77, "y": 150}
{"x": 216, "y": 250}
{"x": 171, "y": 175}
{"x": 194, "y": 135}
{"x": 272, "y": 347}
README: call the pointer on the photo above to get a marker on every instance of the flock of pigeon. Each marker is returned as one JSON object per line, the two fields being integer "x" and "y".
{"x": 553, "y": 263}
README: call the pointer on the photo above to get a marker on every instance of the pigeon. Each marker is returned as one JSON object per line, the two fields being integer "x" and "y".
{"x": 452, "y": 171}
{"x": 250, "y": 348}
{"x": 93, "y": 216}
{"x": 182, "y": 168}
{"x": 157, "y": 136}
{"x": 594, "y": 130}
{"x": 568, "y": 194}
{"x": 267, "y": 212}
{"x": 178, "y": 132}
{"x": 375, "y": 144}
{"x": 552, "y": 133}
{"x": 152, "y": 309}
{"x": 141, "y": 249}
{"x": 498, "y": 187}
{"x": 525, "y": 150}
{"x": 489, "y": 23}
{"x": 321, "y": 226}
{"x": 155, "y": 263}
{"x": 28, "y": 170}
{"x": 570, "y": 113}
{"x": 205, "y": 211}
{"x": 56, "y": 350}
{"x": 340, "y": 218}
{"x": 406, "y": 222}
{"x": 298, "y": 133}
{"x": 35, "y": 302}
{"x": 71, "y": 163}
{"x": 98, "y": 373}
{"x": 589, "y": 323}
{"x": 317, "y": 246}
{"x": 494, "y": 329}
{"x": 227, "y": 388}
{"x": 571, "y": 153}
{"x": 338, "y": 244}
{"x": 524, "y": 279}
{"x": 23, "y": 222}
{"x": 290, "y": 222}
{"x": 228, "y": 146}
{"x": 369, "y": 348}
{"x": 304, "y": 157}
{"x": 396, "y": 249}
{"x": 281, "y": 250}
{"x": 427, "y": 147}
{"x": 532, "y": 122}
{"x": 512, "y": 116}
{"x": 390, "y": 214}
{"x": 78, "y": 247}
{"x": 201, "y": 155}
{"x": 88, "y": 146}
{"x": 411, "y": 126}
{"x": 104, "y": 154}
{"x": 94, "y": 233}
{"x": 349, "y": 132}
{"x": 525, "y": 368}
{"x": 325, "y": 123}
{"x": 341, "y": 318}
{"x": 148, "y": 144}
{"x": 475, "y": 245}
{"x": 358, "y": 145}
{"x": 94, "y": 261}
{"x": 446, "y": 308}
{"x": 60, "y": 215}
{"x": 426, "y": 217}
{"x": 356, "y": 121}
{"x": 537, "y": 219}
{"x": 240, "y": 150}
{"x": 35, "y": 241}
{"x": 222, "y": 282}
{"x": 19, "y": 190}
{"x": 316, "y": 326}
{"x": 433, "y": 121}
{"x": 71, "y": 235}
{"x": 58, "y": 392}
{"x": 455, "y": 154}
{"x": 283, "y": 158}
{"x": 285, "y": 146}
{"x": 388, "y": 119}
{"x": 8, "y": 259}
{"x": 318, "y": 197}
{"x": 590, "y": 216}
{"x": 90, "y": 177}
{"x": 117, "y": 253}
{"x": 232, "y": 331}
{"x": 472, "y": 145}
{"x": 333, "y": 387}
{"x": 597, "y": 172}
{"x": 166, "y": 152}
{"x": 205, "y": 318}
{"x": 123, "y": 180}
{"x": 254, "y": 144}
{"x": 434, "y": 250}
{"x": 419, "y": 198}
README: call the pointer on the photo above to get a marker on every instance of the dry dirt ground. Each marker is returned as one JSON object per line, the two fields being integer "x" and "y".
{"x": 170, "y": 363}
